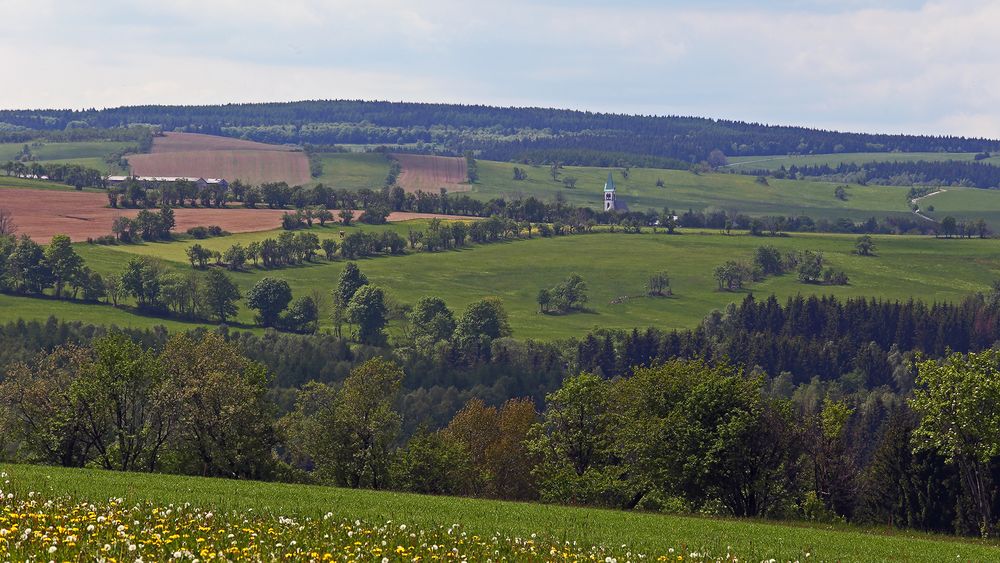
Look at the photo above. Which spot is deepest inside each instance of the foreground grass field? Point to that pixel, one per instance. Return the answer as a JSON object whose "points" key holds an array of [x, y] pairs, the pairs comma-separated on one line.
{"points": [[615, 267], [648, 533]]}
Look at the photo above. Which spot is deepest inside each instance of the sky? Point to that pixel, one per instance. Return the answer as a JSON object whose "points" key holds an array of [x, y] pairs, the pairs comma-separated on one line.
{"points": [[894, 66]]}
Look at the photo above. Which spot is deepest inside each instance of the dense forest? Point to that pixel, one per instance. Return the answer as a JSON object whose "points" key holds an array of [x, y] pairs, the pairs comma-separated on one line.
{"points": [[500, 133], [816, 408]]}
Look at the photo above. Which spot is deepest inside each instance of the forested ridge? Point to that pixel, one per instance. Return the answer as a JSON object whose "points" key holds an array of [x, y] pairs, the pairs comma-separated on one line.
{"points": [[501, 133]]}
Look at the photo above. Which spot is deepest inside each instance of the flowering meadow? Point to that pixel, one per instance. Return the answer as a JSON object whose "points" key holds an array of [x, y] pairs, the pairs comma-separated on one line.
{"points": [[33, 527]]}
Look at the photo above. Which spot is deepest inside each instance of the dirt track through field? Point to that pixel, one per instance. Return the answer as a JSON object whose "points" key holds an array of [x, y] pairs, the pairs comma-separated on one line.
{"points": [[81, 215], [431, 173]]}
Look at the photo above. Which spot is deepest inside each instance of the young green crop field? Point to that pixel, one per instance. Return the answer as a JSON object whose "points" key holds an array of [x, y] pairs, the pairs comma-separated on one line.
{"points": [[652, 534], [614, 266], [353, 171], [777, 161]]}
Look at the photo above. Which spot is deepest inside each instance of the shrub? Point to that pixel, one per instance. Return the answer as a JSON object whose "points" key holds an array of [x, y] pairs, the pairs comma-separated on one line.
{"points": [[198, 232]]}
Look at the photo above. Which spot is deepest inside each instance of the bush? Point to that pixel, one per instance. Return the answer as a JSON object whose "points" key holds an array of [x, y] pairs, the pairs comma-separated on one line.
{"points": [[198, 232], [217, 231]]}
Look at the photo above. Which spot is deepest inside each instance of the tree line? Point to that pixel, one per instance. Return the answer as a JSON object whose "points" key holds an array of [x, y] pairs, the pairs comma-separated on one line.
{"points": [[74, 175]]}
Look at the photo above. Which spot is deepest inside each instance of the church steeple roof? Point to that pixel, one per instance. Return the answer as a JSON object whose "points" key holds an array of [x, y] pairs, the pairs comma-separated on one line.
{"points": [[609, 186]]}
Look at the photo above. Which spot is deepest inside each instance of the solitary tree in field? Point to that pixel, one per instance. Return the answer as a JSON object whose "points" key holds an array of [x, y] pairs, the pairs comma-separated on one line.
{"points": [[865, 246], [717, 158], [471, 168], [659, 284]]}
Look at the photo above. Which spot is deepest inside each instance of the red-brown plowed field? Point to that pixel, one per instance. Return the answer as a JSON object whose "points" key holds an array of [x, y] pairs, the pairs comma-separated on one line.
{"points": [[81, 215], [252, 166], [184, 142], [431, 173]]}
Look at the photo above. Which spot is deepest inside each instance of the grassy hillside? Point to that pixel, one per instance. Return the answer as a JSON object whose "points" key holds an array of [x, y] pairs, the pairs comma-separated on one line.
{"points": [[86, 153], [354, 171], [62, 151], [649, 533], [613, 265], [965, 204], [685, 190], [777, 161], [12, 182]]}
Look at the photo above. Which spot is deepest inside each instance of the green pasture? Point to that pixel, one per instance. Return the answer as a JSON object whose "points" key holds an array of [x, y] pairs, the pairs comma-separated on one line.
{"points": [[615, 266], [644, 532], [775, 162]]}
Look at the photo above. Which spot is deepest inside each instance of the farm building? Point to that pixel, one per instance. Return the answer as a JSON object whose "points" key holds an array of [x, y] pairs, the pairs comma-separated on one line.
{"points": [[199, 182]]}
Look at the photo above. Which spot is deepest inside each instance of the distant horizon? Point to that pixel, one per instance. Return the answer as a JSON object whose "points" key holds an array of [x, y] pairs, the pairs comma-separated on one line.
{"points": [[478, 104]]}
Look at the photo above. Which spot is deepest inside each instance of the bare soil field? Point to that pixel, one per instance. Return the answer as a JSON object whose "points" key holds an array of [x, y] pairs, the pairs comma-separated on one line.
{"points": [[251, 166], [81, 215], [185, 142], [431, 173]]}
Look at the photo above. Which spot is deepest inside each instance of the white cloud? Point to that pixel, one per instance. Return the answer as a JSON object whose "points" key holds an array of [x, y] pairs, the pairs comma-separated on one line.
{"points": [[933, 68]]}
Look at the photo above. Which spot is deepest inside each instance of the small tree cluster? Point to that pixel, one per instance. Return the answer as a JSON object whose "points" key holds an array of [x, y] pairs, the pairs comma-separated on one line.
{"points": [[564, 297]]}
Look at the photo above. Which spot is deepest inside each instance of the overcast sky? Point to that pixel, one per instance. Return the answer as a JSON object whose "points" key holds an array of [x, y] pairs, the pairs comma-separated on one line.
{"points": [[893, 66]]}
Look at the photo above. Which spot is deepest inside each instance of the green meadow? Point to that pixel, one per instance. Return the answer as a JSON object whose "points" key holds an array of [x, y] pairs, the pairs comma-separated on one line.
{"points": [[683, 190], [643, 532], [615, 266]]}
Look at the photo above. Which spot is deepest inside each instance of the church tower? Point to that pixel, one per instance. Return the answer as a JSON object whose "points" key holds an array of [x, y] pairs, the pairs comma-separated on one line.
{"points": [[609, 194]]}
